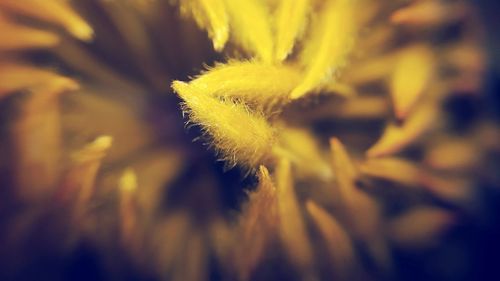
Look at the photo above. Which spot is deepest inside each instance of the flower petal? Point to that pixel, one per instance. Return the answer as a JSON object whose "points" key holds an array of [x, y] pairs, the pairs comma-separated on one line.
{"points": [[397, 137], [292, 226], [36, 140], [429, 13], [210, 15], [330, 43], [54, 11], [360, 212], [290, 24], [258, 84], [392, 169], [257, 224], [303, 151], [18, 76], [412, 74], [250, 27], [16, 37], [242, 137], [420, 227], [78, 186], [339, 244]]}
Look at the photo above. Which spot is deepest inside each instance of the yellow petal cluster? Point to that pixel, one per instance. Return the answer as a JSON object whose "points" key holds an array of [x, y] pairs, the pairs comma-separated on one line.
{"points": [[247, 140], [327, 108]]}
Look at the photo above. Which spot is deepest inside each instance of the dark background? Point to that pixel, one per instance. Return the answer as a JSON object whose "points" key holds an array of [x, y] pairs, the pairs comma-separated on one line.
{"points": [[480, 240], [487, 265]]}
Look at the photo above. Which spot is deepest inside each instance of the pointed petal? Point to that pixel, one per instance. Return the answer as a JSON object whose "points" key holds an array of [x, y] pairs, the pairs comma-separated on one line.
{"points": [[128, 182], [242, 137], [452, 154], [128, 211], [454, 190], [360, 212], [303, 151], [18, 37], [397, 137], [261, 85], [292, 226], [420, 227], [257, 225], [78, 183], [210, 15], [428, 13], [54, 11], [329, 46], [392, 169], [16, 76], [250, 27], [342, 164], [337, 240], [94, 150], [36, 141], [290, 24], [412, 74]]}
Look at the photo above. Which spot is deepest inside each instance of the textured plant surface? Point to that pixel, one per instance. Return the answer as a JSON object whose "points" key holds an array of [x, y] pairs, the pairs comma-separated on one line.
{"points": [[333, 139]]}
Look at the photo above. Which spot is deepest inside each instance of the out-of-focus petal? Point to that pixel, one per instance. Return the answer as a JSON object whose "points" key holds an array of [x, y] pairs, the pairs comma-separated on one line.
{"points": [[95, 111], [453, 190], [78, 184], [36, 141], [340, 89], [258, 222], [222, 237], [370, 70], [358, 107], [303, 151], [292, 226], [413, 72], [359, 212], [18, 76], [212, 16], [340, 247], [19, 37], [191, 263], [420, 227], [169, 242], [453, 155], [392, 169], [128, 212], [423, 13], [54, 11], [397, 137]]}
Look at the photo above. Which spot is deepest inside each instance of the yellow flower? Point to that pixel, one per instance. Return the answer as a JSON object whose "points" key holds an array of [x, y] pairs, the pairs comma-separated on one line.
{"points": [[327, 117]]}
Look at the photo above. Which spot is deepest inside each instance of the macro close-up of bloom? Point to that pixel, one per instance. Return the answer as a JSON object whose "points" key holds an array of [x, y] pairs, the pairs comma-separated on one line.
{"points": [[199, 140]]}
